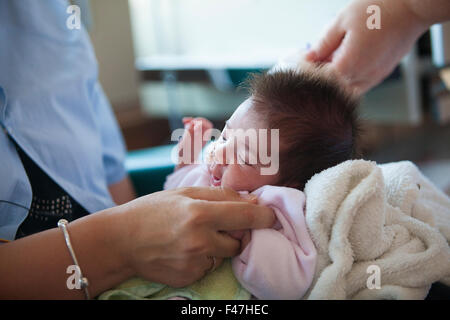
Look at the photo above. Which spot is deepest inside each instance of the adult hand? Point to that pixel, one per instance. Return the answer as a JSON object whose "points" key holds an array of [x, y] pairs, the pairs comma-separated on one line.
{"points": [[364, 57], [169, 235]]}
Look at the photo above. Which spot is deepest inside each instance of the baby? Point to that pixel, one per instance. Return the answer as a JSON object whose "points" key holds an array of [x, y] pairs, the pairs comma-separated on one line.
{"points": [[317, 128]]}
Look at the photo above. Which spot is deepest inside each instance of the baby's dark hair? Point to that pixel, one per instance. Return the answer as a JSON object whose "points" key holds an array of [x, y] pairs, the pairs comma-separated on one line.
{"points": [[317, 120]]}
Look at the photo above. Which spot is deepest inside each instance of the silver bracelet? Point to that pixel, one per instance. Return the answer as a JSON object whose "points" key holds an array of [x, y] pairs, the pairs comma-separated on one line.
{"points": [[84, 283]]}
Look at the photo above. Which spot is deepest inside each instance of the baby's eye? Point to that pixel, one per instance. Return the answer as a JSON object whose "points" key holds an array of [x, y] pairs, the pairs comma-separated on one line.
{"points": [[223, 134], [222, 137]]}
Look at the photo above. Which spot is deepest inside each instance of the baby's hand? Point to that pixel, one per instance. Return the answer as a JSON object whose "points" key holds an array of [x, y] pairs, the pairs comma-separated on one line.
{"points": [[195, 128]]}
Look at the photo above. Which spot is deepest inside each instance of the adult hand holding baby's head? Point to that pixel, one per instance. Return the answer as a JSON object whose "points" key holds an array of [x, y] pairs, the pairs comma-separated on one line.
{"points": [[364, 56]]}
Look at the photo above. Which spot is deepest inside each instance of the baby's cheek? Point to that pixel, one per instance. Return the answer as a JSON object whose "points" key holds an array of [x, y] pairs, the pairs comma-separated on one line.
{"points": [[235, 179], [241, 179]]}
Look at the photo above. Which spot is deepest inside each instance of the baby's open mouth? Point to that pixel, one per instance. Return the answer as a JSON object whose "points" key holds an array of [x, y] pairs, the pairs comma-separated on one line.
{"points": [[215, 181]]}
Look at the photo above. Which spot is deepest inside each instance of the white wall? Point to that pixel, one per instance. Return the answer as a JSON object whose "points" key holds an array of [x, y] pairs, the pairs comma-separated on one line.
{"points": [[227, 27], [112, 40]]}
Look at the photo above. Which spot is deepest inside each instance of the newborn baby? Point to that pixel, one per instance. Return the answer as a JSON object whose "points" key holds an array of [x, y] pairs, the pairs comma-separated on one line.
{"points": [[317, 127]]}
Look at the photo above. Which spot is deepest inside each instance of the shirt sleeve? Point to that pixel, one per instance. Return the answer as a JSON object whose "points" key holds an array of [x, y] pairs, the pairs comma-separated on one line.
{"points": [[113, 145]]}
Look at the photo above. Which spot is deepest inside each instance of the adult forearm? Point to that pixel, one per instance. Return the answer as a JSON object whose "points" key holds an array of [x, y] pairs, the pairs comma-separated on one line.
{"points": [[164, 237], [35, 267], [430, 11]]}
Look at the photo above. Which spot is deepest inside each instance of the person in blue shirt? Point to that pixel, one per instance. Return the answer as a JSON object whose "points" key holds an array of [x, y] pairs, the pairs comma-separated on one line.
{"points": [[62, 156]]}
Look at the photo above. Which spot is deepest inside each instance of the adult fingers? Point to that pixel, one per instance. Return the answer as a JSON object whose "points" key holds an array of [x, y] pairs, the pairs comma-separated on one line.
{"points": [[230, 216], [349, 64], [327, 44], [213, 264], [224, 245], [216, 194], [218, 262]]}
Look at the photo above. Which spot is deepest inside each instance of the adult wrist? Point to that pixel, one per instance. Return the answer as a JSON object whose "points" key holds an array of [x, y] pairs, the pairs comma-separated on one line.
{"points": [[96, 240], [414, 14], [116, 237]]}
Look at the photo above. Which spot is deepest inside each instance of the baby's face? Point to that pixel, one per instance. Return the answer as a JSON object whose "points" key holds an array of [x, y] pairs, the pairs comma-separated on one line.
{"points": [[236, 170]]}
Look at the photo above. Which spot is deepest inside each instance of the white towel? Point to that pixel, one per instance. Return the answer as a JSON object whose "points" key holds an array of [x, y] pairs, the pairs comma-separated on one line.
{"points": [[361, 214]]}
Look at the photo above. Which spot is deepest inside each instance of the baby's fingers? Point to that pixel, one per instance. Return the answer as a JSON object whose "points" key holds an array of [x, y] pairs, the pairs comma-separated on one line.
{"points": [[205, 123], [187, 120]]}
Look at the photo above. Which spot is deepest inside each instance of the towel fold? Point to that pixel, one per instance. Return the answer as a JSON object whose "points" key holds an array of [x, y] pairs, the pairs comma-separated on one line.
{"points": [[390, 216]]}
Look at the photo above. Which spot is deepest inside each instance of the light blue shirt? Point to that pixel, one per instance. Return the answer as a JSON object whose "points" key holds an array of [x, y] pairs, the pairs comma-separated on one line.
{"points": [[53, 106]]}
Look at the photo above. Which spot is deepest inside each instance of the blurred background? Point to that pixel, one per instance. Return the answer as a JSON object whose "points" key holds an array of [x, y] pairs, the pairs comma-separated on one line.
{"points": [[160, 60]]}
